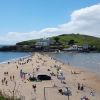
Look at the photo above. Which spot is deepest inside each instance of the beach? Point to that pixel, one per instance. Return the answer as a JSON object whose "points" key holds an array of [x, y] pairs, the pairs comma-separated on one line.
{"points": [[14, 80]]}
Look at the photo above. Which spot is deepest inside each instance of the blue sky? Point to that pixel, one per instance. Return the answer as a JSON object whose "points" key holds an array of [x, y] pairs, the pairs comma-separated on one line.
{"points": [[23, 16]]}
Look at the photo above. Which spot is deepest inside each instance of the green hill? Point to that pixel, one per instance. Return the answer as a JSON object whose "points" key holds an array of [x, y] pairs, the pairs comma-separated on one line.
{"points": [[80, 39], [29, 42], [65, 38]]}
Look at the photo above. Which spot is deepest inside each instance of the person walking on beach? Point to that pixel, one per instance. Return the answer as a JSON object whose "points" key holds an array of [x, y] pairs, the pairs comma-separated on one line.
{"points": [[6, 82], [78, 86], [2, 81], [21, 73], [17, 66], [34, 87], [13, 77], [82, 87]]}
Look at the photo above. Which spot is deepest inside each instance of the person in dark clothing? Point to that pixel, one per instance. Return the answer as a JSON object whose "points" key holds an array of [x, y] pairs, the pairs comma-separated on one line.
{"points": [[78, 86], [6, 82], [82, 87], [13, 77], [34, 87], [2, 81]]}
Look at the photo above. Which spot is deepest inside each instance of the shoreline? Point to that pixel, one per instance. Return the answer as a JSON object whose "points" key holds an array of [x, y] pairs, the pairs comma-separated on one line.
{"points": [[15, 59], [45, 62]]}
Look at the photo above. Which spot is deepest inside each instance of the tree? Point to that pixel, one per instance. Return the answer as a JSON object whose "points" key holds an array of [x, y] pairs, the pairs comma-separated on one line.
{"points": [[71, 42], [56, 39]]}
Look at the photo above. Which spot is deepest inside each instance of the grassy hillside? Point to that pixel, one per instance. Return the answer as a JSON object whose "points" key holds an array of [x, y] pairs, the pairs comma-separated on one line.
{"points": [[29, 42], [80, 39], [65, 38]]}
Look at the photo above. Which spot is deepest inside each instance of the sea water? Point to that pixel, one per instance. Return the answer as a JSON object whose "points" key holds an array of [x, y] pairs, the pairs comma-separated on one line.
{"points": [[88, 61], [6, 56]]}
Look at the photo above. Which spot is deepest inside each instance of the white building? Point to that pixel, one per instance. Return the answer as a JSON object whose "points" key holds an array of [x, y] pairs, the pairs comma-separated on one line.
{"points": [[73, 48], [43, 42]]}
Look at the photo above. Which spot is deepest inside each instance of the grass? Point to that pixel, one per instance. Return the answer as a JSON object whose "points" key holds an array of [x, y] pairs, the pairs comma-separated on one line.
{"points": [[5, 97]]}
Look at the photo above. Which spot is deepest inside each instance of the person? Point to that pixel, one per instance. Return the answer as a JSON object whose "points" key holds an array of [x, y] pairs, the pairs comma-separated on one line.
{"points": [[60, 91], [34, 87], [92, 93], [78, 86], [17, 66], [2, 81], [21, 73], [85, 98], [82, 87], [6, 82], [37, 69], [7, 73], [13, 77]]}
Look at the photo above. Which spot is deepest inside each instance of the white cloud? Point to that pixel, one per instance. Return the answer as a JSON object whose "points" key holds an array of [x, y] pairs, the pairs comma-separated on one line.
{"points": [[85, 21]]}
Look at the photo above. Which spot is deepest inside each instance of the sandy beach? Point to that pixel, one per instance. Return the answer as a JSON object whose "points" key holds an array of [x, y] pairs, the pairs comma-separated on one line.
{"points": [[13, 83]]}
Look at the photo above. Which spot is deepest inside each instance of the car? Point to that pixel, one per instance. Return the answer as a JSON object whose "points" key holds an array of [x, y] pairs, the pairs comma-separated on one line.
{"points": [[43, 77]]}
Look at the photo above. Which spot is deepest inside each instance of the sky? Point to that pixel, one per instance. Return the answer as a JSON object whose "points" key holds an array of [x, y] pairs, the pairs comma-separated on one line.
{"points": [[22, 20]]}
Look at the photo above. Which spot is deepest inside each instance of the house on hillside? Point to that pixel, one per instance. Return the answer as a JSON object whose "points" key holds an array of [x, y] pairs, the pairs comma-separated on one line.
{"points": [[43, 43], [80, 48], [84, 47], [72, 48]]}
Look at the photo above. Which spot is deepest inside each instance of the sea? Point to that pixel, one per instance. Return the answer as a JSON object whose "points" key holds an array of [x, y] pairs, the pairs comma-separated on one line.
{"points": [[86, 61], [8, 56]]}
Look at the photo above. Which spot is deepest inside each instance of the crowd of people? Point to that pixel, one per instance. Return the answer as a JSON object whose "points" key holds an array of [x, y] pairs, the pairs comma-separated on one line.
{"points": [[6, 78]]}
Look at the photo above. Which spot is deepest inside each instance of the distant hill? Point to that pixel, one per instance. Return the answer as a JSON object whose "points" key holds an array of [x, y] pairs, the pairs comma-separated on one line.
{"points": [[65, 38], [80, 39], [29, 42]]}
